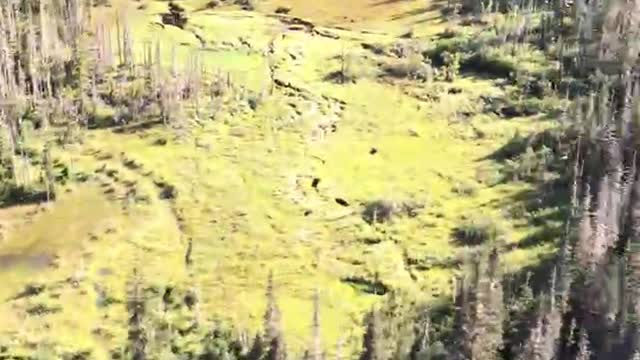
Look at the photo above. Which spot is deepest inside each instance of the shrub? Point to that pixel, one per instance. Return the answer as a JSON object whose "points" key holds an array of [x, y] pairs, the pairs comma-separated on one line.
{"points": [[413, 67], [283, 10], [477, 231], [254, 100], [451, 63], [352, 68], [498, 67], [212, 4], [465, 188], [175, 16], [529, 165], [247, 4], [378, 211]]}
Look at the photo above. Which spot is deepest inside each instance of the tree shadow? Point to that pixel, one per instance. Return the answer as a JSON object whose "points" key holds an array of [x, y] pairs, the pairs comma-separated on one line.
{"points": [[15, 195], [388, 2], [137, 126]]}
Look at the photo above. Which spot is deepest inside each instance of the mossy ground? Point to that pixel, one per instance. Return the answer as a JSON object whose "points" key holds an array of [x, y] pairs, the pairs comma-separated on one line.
{"points": [[243, 185]]}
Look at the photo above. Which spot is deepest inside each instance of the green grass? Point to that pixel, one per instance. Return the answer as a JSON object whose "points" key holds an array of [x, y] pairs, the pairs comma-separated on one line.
{"points": [[242, 200]]}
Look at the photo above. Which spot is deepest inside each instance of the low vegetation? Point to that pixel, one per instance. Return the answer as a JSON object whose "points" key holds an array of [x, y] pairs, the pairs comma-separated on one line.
{"points": [[445, 187]]}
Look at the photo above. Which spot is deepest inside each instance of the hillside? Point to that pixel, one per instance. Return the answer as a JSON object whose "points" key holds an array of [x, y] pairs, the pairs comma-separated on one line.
{"points": [[357, 188]]}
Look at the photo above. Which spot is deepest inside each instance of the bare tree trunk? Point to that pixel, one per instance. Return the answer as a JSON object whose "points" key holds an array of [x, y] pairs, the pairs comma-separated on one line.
{"points": [[120, 59]]}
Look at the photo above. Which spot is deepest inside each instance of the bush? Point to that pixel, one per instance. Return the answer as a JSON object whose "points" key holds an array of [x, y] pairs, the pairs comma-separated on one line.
{"points": [[247, 4], [477, 231], [493, 66], [530, 165], [465, 188], [451, 63], [412, 67], [175, 16], [352, 68], [378, 211]]}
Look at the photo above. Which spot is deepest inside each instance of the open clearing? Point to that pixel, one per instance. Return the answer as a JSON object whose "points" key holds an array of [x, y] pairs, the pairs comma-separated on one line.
{"points": [[240, 187]]}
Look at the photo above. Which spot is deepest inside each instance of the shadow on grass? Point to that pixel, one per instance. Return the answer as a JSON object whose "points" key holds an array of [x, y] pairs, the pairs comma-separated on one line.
{"points": [[12, 195], [374, 287], [138, 126]]}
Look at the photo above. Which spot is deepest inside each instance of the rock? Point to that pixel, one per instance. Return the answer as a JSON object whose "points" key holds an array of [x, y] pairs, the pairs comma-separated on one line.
{"points": [[373, 151], [413, 133]]}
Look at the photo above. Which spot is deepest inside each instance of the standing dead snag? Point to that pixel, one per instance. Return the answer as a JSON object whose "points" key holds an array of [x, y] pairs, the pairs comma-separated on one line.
{"points": [[136, 308], [187, 257], [272, 325], [315, 328]]}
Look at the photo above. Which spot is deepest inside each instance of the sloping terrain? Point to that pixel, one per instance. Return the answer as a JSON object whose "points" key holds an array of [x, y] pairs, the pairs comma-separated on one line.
{"points": [[287, 184]]}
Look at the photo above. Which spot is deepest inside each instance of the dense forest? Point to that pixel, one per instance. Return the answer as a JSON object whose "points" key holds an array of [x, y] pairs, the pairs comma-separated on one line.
{"points": [[64, 74]]}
